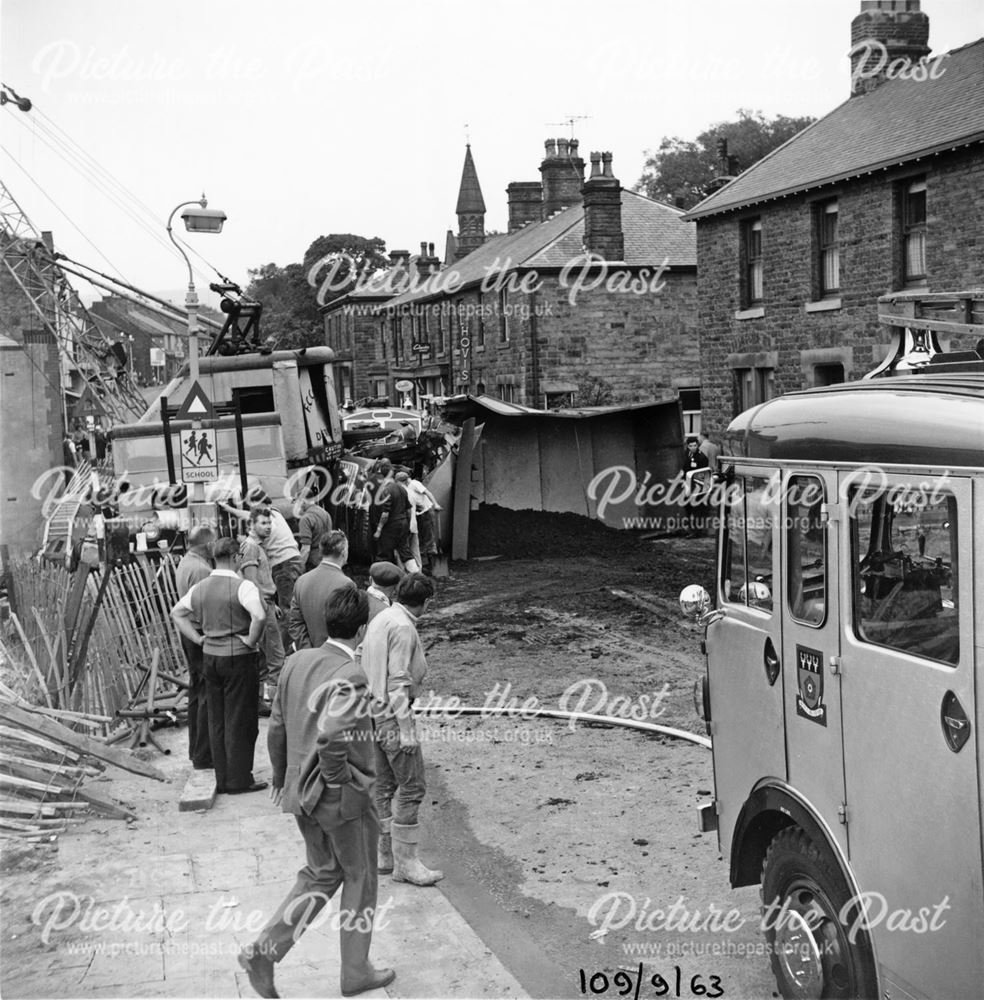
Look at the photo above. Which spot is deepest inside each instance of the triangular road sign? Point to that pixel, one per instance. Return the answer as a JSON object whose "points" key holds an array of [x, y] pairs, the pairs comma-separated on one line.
{"points": [[196, 406], [88, 404]]}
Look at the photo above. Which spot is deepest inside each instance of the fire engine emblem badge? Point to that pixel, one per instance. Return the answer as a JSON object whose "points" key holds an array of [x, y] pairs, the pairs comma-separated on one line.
{"points": [[809, 700]]}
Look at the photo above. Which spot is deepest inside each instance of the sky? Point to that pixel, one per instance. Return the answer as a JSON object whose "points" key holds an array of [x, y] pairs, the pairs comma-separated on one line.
{"points": [[304, 118]]}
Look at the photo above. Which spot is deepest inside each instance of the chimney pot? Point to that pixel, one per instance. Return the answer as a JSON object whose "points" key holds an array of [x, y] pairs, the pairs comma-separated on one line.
{"points": [[423, 249], [551, 148], [606, 159], [430, 249], [595, 165], [562, 147], [574, 143]]}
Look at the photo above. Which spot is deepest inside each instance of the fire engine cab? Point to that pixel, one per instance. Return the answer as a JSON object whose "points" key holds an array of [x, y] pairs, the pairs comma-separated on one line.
{"points": [[842, 658]]}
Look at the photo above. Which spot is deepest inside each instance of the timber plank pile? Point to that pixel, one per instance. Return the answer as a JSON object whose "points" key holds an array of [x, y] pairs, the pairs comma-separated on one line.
{"points": [[88, 659], [43, 765]]}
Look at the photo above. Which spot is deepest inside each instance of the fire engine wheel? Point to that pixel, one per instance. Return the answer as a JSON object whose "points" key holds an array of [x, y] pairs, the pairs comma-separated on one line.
{"points": [[812, 954]]}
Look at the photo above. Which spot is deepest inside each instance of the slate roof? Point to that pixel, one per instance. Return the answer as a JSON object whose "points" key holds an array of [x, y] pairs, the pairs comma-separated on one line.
{"points": [[470, 193], [654, 233], [381, 285], [900, 120], [116, 313]]}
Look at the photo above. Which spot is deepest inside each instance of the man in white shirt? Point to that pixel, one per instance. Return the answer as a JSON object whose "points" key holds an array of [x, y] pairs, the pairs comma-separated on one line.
{"points": [[423, 505], [394, 664], [232, 618], [195, 566]]}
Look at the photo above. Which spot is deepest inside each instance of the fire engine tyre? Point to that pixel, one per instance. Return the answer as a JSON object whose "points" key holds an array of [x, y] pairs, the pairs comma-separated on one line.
{"points": [[811, 951]]}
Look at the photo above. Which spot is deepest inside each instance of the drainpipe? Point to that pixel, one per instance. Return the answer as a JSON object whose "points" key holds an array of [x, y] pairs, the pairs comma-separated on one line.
{"points": [[534, 351]]}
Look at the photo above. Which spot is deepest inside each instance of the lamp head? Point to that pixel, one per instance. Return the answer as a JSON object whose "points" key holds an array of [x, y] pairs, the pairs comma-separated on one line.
{"points": [[203, 220]]}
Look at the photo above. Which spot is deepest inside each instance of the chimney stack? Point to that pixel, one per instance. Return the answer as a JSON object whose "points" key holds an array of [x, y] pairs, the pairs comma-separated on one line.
{"points": [[427, 263], [525, 203], [563, 175], [602, 195], [884, 31]]}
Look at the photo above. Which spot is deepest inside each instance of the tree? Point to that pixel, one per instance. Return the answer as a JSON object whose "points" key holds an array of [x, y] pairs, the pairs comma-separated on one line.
{"points": [[593, 390], [357, 255], [682, 172], [291, 307]]}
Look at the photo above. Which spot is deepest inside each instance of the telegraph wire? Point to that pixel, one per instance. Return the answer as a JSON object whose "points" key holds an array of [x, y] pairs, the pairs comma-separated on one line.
{"points": [[58, 207], [78, 163]]}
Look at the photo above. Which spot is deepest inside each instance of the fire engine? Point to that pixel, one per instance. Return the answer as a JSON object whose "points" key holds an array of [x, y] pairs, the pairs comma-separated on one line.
{"points": [[842, 655]]}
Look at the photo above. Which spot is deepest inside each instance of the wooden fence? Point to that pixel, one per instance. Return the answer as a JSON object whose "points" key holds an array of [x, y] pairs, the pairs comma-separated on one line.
{"points": [[88, 640]]}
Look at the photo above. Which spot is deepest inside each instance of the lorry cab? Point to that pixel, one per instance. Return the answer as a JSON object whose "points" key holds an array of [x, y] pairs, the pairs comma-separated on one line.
{"points": [[841, 686], [287, 415]]}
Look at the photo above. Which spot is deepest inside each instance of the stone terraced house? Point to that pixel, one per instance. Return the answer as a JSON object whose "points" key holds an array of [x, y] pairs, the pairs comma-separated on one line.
{"points": [[884, 194], [527, 316]]}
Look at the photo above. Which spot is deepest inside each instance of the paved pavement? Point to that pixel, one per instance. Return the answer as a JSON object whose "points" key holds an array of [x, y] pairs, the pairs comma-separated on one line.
{"points": [[160, 907]]}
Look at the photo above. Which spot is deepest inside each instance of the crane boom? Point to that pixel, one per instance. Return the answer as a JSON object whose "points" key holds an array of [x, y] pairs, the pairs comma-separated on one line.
{"points": [[85, 348]]}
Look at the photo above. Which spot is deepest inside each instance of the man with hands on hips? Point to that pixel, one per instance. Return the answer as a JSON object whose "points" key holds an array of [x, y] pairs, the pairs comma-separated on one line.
{"points": [[232, 619]]}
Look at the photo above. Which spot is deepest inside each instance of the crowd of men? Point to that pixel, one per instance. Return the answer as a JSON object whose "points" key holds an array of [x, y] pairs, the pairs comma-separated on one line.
{"points": [[273, 625]]}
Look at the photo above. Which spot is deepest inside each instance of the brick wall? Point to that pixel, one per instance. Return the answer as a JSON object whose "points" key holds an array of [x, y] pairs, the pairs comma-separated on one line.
{"points": [[870, 266], [31, 414], [642, 346]]}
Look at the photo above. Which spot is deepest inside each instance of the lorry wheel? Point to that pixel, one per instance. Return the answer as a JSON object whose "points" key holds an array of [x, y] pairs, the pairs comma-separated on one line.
{"points": [[812, 954]]}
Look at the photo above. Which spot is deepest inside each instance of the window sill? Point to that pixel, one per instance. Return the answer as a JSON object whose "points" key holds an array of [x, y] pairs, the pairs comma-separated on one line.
{"points": [[757, 313], [822, 305]]}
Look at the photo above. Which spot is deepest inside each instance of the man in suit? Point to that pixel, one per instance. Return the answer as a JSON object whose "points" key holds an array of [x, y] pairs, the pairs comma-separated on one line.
{"points": [[321, 749], [313, 590]]}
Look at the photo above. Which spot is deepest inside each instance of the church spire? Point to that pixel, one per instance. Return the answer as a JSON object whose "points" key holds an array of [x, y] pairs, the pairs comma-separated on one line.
{"points": [[470, 208]]}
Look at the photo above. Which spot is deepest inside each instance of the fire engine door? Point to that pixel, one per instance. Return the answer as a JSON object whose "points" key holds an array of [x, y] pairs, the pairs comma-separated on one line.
{"points": [[811, 643], [908, 701], [743, 648]]}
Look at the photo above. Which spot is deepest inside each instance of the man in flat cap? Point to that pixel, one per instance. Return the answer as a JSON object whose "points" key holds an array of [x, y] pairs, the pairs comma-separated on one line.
{"points": [[383, 578]]}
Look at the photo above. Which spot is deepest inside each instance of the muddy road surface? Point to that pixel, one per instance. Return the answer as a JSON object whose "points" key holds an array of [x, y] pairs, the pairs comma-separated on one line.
{"points": [[573, 849]]}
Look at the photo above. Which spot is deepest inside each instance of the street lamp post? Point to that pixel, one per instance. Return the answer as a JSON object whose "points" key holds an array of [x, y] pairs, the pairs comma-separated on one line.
{"points": [[197, 220]]}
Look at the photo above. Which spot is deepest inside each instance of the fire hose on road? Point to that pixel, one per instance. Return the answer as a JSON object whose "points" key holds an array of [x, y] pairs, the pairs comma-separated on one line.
{"points": [[604, 720]]}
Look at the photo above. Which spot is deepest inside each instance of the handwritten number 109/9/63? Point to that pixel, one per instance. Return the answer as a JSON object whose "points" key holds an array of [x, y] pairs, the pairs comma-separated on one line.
{"points": [[624, 983]]}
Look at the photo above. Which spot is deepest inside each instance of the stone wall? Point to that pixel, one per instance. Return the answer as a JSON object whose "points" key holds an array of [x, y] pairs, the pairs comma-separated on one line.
{"points": [[31, 414], [795, 340]]}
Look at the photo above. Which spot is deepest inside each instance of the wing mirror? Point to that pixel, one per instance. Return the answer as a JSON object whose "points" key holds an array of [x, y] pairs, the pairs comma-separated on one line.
{"points": [[695, 603]]}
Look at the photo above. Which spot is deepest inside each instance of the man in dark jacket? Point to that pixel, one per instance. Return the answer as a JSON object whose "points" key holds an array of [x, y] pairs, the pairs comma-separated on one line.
{"points": [[391, 534], [313, 591], [321, 749]]}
